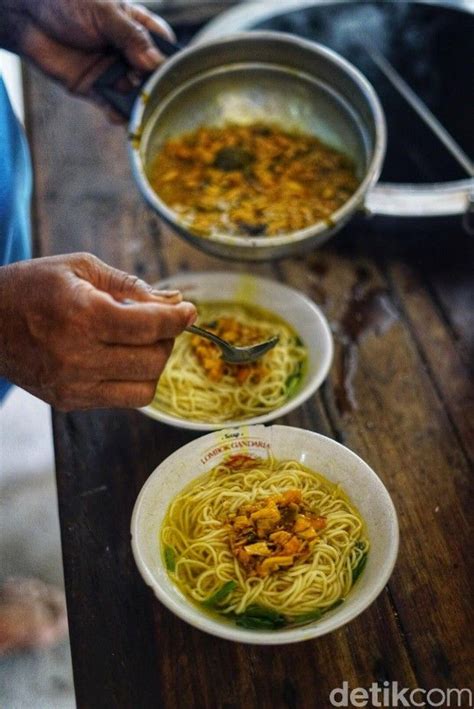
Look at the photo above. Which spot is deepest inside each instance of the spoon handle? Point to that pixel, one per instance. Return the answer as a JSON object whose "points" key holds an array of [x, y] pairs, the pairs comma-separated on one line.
{"points": [[195, 330]]}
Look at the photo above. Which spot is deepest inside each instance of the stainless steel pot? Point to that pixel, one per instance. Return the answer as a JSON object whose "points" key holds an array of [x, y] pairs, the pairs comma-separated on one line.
{"points": [[253, 77], [392, 199]]}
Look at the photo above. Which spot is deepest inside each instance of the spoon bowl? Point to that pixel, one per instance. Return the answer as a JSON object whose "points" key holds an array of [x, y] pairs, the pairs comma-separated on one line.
{"points": [[231, 353]]}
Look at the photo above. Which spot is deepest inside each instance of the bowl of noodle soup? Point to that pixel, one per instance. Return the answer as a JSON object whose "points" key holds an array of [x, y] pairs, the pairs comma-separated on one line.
{"points": [[189, 518], [198, 391]]}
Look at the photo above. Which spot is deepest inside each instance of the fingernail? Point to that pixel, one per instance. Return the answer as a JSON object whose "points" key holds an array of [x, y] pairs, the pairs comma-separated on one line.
{"points": [[152, 58], [190, 313], [165, 293]]}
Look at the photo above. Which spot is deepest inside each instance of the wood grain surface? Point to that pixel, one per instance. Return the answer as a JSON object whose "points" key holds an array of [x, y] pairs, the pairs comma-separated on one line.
{"points": [[399, 297]]}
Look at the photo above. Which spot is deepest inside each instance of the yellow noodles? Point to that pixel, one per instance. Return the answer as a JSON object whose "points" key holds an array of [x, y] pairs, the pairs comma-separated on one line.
{"points": [[195, 534], [187, 390]]}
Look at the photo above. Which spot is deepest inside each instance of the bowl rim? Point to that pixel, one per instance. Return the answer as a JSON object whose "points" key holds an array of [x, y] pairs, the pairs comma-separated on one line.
{"points": [[371, 174], [334, 620], [306, 391]]}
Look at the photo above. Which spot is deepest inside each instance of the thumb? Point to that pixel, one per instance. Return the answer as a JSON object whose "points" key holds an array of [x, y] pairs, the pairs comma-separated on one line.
{"points": [[120, 285]]}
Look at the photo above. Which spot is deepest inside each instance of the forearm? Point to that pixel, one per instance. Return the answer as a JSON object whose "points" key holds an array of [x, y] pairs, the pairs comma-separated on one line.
{"points": [[6, 316]]}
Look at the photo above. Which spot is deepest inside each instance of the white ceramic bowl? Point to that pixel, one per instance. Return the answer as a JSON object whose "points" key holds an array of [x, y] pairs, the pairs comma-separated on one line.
{"points": [[317, 452], [301, 313]]}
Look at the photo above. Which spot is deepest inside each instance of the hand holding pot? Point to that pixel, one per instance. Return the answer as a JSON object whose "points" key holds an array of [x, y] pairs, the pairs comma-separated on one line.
{"points": [[74, 41]]}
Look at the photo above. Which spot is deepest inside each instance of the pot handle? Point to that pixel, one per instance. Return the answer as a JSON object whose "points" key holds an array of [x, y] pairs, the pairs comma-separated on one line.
{"points": [[123, 102]]}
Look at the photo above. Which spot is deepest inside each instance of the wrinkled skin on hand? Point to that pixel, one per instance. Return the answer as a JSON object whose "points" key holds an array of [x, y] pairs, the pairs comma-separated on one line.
{"points": [[75, 40], [80, 334]]}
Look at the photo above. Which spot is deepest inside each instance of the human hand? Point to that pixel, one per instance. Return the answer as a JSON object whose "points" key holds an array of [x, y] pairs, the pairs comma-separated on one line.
{"points": [[68, 337], [75, 40]]}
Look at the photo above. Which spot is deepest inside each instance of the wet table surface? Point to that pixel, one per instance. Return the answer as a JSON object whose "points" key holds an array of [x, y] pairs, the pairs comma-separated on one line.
{"points": [[399, 297]]}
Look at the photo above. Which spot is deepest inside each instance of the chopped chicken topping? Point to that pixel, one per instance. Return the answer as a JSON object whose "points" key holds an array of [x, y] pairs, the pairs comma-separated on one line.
{"points": [[237, 333], [258, 549], [273, 533]]}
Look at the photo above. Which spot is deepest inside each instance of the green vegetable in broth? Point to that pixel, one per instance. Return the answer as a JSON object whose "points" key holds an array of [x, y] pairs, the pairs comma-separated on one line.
{"points": [[220, 595], [170, 558]]}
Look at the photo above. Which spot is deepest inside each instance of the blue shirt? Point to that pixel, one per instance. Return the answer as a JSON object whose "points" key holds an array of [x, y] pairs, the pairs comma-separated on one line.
{"points": [[15, 192]]}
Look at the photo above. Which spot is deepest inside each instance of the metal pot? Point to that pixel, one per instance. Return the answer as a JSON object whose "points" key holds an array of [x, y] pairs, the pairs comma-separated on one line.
{"points": [[252, 77]]}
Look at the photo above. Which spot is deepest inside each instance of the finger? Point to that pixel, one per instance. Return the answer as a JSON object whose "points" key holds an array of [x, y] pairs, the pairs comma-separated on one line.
{"points": [[122, 286], [120, 363], [139, 323], [132, 38], [156, 296], [75, 68], [168, 296], [126, 287], [122, 394], [152, 22]]}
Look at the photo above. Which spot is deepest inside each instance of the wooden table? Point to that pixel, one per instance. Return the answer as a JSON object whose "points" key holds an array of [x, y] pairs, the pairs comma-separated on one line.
{"points": [[399, 297]]}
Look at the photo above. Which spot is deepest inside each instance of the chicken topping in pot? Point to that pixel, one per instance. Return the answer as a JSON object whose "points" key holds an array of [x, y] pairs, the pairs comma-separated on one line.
{"points": [[251, 180]]}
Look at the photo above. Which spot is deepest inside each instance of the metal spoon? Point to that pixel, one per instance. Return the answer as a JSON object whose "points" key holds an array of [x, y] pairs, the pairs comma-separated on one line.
{"points": [[232, 354]]}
